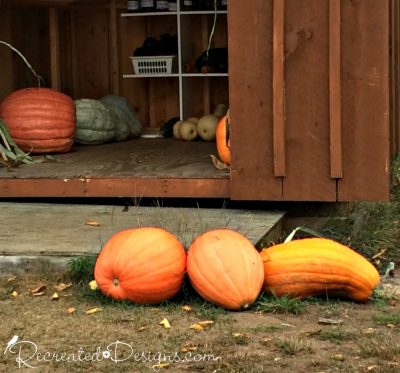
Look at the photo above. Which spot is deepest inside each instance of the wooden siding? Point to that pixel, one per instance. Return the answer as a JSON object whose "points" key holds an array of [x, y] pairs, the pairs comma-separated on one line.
{"points": [[332, 140], [394, 77], [313, 92]]}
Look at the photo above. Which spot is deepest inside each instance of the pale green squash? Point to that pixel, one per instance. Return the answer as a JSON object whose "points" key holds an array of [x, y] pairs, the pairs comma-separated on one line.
{"points": [[128, 123], [95, 124]]}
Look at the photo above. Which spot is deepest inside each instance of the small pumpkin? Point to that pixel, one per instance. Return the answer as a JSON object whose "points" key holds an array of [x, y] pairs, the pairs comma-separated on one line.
{"points": [[223, 139], [143, 265], [128, 123], [225, 268], [40, 120], [318, 266], [95, 124]]}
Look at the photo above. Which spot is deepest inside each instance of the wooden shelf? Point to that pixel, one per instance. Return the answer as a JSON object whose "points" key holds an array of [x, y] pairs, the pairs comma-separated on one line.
{"points": [[150, 14]]}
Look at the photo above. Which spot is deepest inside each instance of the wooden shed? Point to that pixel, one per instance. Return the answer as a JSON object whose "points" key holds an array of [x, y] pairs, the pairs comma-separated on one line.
{"points": [[312, 88]]}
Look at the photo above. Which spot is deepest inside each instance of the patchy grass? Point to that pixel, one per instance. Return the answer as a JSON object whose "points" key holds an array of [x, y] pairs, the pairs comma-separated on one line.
{"points": [[285, 304], [293, 345], [336, 335], [387, 319], [373, 228]]}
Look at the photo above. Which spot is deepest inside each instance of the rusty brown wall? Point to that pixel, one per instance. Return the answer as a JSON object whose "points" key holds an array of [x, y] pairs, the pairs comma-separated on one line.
{"points": [[309, 97]]}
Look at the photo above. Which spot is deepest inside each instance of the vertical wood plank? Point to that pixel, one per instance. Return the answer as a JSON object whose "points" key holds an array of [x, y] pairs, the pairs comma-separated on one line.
{"points": [[365, 100], [278, 87], [54, 49], [92, 52], [335, 108], [113, 27], [395, 77], [307, 102], [74, 57], [250, 99], [7, 81]]}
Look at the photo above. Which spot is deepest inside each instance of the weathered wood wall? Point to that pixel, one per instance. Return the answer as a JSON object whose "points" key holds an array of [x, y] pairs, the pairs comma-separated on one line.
{"points": [[313, 86], [309, 98]]}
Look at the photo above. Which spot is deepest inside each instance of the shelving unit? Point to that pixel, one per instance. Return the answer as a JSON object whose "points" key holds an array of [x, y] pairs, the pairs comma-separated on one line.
{"points": [[197, 93]]}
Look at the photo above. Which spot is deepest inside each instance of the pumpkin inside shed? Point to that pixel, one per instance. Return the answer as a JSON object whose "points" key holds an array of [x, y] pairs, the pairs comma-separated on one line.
{"points": [[82, 49]]}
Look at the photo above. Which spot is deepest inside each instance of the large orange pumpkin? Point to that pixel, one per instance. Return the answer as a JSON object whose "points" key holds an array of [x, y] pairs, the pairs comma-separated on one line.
{"points": [[144, 265], [318, 266], [225, 268], [40, 120], [223, 139]]}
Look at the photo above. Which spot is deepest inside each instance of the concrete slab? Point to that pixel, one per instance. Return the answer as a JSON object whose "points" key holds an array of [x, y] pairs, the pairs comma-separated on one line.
{"points": [[37, 230]]}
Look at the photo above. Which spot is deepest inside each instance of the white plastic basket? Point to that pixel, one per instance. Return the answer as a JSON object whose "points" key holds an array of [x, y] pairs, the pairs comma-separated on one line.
{"points": [[153, 65]]}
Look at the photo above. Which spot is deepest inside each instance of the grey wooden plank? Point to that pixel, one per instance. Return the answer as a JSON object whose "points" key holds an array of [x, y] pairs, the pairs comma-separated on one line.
{"points": [[61, 230], [139, 157]]}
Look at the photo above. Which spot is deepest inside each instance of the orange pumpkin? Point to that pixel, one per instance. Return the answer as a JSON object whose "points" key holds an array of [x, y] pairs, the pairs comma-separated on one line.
{"points": [[225, 268], [144, 265], [223, 139], [40, 120], [318, 266]]}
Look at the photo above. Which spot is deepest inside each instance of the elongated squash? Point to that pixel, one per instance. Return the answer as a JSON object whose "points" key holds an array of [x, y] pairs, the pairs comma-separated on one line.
{"points": [[318, 266]]}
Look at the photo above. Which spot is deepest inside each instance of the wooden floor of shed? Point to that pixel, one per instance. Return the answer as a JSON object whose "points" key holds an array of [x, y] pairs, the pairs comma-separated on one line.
{"points": [[57, 232], [146, 158]]}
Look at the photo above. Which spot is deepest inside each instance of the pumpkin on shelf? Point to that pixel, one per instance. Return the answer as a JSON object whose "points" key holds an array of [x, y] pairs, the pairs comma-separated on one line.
{"points": [[128, 123], [143, 265], [223, 139], [95, 124], [40, 120], [225, 268], [318, 266]]}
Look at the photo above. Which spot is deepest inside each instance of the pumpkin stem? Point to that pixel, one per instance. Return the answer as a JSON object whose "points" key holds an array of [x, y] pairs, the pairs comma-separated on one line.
{"points": [[38, 77], [115, 282]]}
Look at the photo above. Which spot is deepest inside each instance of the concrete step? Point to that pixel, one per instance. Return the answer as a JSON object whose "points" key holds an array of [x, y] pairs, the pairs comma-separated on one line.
{"points": [[59, 232]]}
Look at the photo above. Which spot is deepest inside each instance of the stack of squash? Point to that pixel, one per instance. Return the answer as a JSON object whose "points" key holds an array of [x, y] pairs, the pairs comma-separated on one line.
{"points": [[43, 120], [108, 119], [148, 265]]}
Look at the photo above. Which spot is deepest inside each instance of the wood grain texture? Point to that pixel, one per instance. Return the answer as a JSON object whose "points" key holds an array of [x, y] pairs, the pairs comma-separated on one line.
{"points": [[61, 229], [394, 77], [6, 55], [92, 53], [365, 100], [335, 94], [307, 102], [139, 158], [54, 49], [278, 87], [250, 98]]}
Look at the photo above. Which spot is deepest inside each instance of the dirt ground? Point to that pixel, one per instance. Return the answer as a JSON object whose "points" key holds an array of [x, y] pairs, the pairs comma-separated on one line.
{"points": [[60, 336]]}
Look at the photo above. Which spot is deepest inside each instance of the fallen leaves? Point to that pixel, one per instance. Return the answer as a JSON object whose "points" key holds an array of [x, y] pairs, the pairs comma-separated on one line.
{"points": [[165, 323], [201, 325], [39, 290], [92, 223], [218, 164], [61, 287], [93, 310], [93, 285]]}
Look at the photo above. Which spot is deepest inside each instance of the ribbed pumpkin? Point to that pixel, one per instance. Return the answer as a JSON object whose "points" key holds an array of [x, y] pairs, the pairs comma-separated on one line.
{"points": [[318, 266], [40, 120], [225, 268], [223, 139], [95, 124], [128, 124], [143, 265]]}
